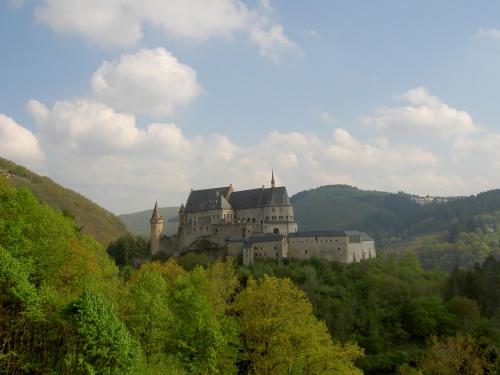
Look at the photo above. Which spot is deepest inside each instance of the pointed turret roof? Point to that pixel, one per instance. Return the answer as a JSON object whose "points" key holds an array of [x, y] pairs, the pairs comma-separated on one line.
{"points": [[156, 212], [272, 177], [183, 208]]}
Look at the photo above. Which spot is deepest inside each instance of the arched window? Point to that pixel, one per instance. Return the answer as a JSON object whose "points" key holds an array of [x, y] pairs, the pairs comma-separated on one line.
{"points": [[276, 231]]}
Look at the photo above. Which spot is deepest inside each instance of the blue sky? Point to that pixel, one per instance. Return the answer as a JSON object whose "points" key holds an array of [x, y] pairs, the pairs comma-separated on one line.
{"points": [[159, 97]]}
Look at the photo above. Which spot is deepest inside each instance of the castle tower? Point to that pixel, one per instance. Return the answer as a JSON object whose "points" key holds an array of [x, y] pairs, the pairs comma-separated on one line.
{"points": [[156, 230]]}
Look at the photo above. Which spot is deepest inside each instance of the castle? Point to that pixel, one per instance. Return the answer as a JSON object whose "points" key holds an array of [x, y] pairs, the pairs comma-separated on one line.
{"points": [[253, 224]]}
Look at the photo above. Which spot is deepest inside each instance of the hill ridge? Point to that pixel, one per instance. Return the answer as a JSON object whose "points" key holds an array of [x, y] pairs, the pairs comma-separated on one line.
{"points": [[89, 216]]}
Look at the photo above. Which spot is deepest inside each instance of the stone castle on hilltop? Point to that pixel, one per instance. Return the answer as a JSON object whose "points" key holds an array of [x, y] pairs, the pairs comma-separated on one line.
{"points": [[253, 224]]}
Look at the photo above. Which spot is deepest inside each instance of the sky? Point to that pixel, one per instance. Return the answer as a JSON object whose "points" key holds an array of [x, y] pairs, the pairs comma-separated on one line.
{"points": [[128, 102]]}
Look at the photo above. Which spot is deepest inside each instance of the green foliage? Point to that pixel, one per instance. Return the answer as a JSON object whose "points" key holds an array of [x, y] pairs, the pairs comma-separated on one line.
{"points": [[18, 296], [481, 284], [91, 218], [435, 252], [146, 312], [459, 355], [191, 260], [389, 306], [198, 336], [103, 344], [128, 250], [282, 336], [426, 316]]}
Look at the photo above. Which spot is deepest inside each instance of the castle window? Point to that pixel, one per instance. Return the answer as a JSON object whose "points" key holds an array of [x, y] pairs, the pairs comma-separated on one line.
{"points": [[281, 217], [253, 220], [267, 218], [274, 217]]}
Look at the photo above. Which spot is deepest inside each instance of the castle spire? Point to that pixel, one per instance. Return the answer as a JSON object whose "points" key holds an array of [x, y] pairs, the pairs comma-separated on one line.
{"points": [[156, 212], [272, 177]]}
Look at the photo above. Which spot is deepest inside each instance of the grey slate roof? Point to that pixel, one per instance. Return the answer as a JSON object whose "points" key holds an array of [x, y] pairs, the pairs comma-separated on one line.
{"points": [[254, 198], [156, 212], [206, 199]]}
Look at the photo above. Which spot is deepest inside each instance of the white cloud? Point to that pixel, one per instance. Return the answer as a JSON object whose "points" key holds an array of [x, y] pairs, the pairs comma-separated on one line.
{"points": [[106, 156], [488, 33], [150, 81], [273, 42], [423, 114], [193, 19], [106, 23], [120, 22], [84, 127], [18, 143]]}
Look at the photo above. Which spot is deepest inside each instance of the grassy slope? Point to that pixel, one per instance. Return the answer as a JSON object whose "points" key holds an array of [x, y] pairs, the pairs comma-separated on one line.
{"points": [[335, 207], [138, 222], [93, 219]]}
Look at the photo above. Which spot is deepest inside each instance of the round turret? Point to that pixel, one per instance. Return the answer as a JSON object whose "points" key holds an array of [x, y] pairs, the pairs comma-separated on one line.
{"points": [[157, 222]]}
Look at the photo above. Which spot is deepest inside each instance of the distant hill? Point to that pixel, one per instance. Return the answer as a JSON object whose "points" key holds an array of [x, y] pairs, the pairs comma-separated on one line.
{"points": [[138, 222], [389, 216], [92, 218], [336, 207]]}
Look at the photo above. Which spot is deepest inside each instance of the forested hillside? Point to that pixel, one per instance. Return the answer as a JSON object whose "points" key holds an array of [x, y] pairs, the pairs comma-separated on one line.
{"points": [[388, 216], [407, 320], [64, 310], [89, 217]]}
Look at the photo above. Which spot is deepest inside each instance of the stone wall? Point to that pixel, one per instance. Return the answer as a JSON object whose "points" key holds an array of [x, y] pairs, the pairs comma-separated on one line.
{"points": [[330, 248]]}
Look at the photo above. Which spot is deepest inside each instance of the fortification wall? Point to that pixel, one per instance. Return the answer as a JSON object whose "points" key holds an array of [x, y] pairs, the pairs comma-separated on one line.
{"points": [[329, 248]]}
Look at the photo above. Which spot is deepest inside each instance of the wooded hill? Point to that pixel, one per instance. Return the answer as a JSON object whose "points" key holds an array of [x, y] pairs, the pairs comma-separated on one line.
{"points": [[388, 215], [91, 218]]}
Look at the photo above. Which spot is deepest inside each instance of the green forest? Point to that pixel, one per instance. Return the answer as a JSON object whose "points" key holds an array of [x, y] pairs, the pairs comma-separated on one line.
{"points": [[90, 218], [69, 305]]}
